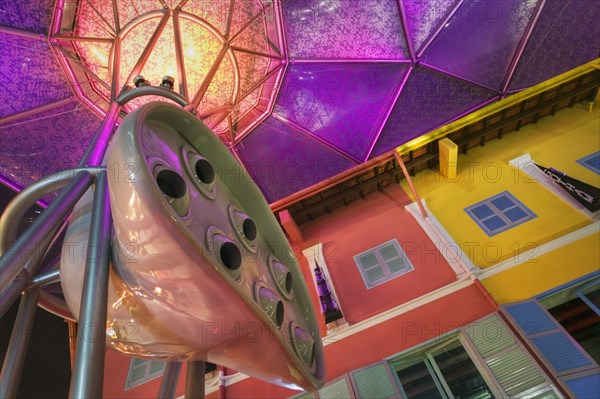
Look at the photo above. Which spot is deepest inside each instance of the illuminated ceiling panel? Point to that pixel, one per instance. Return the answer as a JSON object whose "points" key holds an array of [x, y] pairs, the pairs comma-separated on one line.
{"points": [[220, 54], [323, 83]]}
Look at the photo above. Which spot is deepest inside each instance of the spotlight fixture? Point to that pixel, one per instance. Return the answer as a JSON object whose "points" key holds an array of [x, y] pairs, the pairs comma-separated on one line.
{"points": [[139, 80], [168, 82]]}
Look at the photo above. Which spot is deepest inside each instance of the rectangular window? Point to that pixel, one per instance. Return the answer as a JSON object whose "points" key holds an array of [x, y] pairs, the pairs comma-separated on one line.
{"points": [[481, 360], [499, 213], [592, 162], [141, 371], [382, 263], [444, 371]]}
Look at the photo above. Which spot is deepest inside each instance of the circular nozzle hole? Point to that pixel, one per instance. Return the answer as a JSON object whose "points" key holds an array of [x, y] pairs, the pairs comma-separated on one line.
{"points": [[171, 184], [230, 255], [249, 228], [205, 171], [279, 314]]}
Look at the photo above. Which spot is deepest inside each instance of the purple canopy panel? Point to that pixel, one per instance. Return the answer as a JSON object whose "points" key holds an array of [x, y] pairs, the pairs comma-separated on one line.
{"points": [[283, 161], [29, 74], [344, 104], [365, 29], [428, 100], [50, 141], [423, 18], [566, 35], [32, 15], [480, 39]]}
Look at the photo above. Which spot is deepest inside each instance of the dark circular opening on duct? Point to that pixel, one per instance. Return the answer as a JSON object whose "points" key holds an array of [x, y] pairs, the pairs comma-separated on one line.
{"points": [[231, 257], [205, 171], [288, 282], [171, 184], [249, 228], [279, 314]]}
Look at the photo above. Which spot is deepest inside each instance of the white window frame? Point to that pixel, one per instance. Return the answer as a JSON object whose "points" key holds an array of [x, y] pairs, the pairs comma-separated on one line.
{"points": [[315, 256], [388, 274]]}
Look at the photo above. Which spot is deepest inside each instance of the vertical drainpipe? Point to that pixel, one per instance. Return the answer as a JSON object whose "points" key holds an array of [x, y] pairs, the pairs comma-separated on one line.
{"points": [[222, 389]]}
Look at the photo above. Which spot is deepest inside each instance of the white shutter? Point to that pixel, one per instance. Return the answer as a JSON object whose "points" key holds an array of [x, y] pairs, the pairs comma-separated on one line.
{"points": [[374, 382], [508, 362], [337, 390]]}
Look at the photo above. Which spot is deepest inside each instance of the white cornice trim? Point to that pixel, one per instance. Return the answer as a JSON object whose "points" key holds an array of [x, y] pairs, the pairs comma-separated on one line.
{"points": [[450, 250], [537, 251], [451, 288]]}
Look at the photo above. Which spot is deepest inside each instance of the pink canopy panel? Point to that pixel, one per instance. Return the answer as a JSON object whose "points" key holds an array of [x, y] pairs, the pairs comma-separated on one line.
{"points": [[300, 90]]}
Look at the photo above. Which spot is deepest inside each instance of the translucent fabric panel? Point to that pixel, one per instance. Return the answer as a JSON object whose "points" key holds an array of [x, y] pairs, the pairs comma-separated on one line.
{"points": [[32, 15], [480, 39], [429, 99], [344, 29], [30, 75], [423, 17], [48, 142], [344, 104], [284, 161], [565, 37]]}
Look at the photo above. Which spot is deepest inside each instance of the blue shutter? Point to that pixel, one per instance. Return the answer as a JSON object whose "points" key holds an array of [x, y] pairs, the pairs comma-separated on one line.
{"points": [[585, 387], [507, 360], [561, 352]]}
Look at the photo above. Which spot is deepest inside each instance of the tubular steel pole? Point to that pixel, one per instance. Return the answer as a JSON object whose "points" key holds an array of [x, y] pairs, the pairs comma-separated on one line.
{"points": [[28, 245], [95, 152], [194, 380], [169, 381], [88, 370], [410, 184], [17, 348]]}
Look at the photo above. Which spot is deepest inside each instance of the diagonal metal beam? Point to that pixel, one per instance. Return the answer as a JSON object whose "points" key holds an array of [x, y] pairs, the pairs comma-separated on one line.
{"points": [[314, 137], [183, 86], [388, 113], [229, 18], [209, 77], [522, 44], [116, 16], [137, 69], [22, 32], [71, 57], [18, 345], [440, 27], [102, 17], [407, 35], [84, 39]]}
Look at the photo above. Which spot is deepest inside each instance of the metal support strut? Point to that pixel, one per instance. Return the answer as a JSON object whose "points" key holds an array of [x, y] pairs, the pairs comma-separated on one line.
{"points": [[88, 370]]}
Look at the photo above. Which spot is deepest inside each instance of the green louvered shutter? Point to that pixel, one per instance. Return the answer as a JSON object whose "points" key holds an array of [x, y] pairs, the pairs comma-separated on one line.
{"points": [[371, 268], [374, 382], [141, 371], [513, 369], [336, 390], [393, 259], [304, 395], [382, 263]]}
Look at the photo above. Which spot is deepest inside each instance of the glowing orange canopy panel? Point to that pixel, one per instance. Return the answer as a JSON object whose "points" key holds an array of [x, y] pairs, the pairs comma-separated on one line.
{"points": [[225, 56]]}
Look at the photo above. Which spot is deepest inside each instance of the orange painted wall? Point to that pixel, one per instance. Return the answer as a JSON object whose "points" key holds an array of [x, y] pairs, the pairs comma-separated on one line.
{"points": [[363, 225], [383, 340]]}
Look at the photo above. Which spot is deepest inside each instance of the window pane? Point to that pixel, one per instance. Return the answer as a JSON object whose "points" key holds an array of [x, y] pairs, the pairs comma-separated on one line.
{"points": [[417, 381], [460, 373]]}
